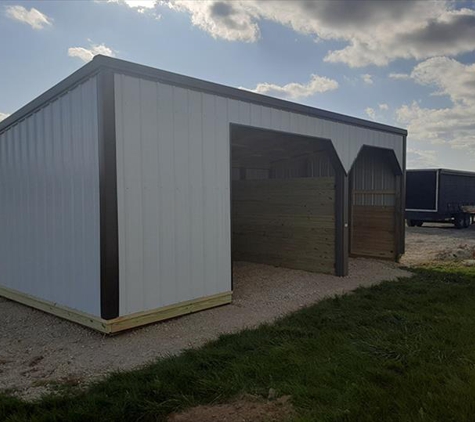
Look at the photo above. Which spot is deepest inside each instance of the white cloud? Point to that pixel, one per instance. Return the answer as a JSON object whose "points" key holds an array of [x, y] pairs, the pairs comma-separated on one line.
{"points": [[399, 76], [134, 4], [141, 6], [371, 113], [232, 21], [417, 158], [32, 17], [453, 78], [3, 116], [294, 90], [453, 125], [399, 29], [367, 78], [87, 54]]}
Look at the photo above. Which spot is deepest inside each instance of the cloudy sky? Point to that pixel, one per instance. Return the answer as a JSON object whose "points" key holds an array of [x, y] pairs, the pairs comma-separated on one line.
{"points": [[408, 64]]}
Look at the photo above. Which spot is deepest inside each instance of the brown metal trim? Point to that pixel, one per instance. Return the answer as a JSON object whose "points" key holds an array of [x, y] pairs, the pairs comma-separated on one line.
{"points": [[342, 195], [351, 209], [402, 205], [341, 223], [151, 73], [230, 134], [399, 218], [84, 73], [108, 196]]}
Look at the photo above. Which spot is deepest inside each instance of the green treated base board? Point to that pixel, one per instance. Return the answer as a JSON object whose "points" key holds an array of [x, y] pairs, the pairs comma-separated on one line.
{"points": [[142, 318], [121, 323]]}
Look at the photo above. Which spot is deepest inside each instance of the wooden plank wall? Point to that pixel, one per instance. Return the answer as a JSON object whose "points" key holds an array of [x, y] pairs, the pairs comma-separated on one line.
{"points": [[374, 231], [285, 222]]}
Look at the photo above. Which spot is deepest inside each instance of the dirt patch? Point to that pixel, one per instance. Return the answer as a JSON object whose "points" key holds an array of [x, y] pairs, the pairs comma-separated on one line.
{"points": [[438, 242], [246, 409], [461, 252], [39, 351]]}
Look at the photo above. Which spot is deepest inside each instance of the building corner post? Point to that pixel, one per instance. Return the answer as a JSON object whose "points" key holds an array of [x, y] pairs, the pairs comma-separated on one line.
{"points": [[109, 246], [402, 199], [341, 223]]}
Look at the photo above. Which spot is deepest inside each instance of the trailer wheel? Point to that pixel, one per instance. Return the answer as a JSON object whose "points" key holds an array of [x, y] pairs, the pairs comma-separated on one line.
{"points": [[419, 223], [459, 221], [467, 221], [411, 223]]}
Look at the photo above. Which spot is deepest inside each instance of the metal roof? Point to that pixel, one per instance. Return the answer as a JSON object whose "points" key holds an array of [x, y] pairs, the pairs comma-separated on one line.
{"points": [[121, 66]]}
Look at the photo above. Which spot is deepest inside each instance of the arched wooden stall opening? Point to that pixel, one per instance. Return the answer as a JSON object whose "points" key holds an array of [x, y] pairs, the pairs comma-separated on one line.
{"points": [[375, 195], [283, 199]]}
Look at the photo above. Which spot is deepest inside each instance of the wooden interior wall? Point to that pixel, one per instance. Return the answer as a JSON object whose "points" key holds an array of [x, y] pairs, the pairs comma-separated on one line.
{"points": [[285, 222], [373, 206], [373, 231]]}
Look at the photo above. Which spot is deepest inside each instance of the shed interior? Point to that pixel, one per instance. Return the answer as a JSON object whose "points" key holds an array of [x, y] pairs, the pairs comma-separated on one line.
{"points": [[375, 195], [282, 200]]}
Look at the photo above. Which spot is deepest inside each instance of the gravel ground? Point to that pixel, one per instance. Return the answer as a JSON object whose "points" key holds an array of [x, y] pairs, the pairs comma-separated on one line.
{"points": [[436, 242], [38, 350]]}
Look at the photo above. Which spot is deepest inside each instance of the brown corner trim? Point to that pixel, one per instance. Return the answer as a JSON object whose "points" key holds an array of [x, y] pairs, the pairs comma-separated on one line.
{"points": [[108, 196], [402, 198], [230, 145], [341, 223], [342, 247]]}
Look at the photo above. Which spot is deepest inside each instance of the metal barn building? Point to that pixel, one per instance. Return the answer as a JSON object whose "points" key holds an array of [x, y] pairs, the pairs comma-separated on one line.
{"points": [[126, 192]]}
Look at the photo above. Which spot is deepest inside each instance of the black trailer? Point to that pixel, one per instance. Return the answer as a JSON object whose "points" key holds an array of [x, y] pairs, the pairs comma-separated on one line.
{"points": [[440, 195]]}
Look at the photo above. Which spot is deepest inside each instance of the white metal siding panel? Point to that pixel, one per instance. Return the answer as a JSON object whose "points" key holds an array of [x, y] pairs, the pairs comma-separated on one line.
{"points": [[347, 139], [49, 202], [173, 194], [173, 143]]}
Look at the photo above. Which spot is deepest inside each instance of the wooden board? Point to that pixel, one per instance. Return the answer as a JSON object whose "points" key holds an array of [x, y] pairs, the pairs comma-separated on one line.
{"points": [[147, 317], [64, 312], [285, 222], [121, 323], [373, 231]]}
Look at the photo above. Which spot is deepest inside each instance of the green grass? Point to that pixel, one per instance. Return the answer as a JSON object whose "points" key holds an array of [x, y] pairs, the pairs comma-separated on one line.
{"points": [[399, 351]]}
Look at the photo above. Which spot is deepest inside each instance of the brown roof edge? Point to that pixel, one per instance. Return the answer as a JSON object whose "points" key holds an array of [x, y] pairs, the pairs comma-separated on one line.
{"points": [[122, 66]]}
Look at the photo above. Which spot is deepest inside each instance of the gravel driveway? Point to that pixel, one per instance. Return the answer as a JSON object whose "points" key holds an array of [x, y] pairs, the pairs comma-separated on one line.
{"points": [[38, 350]]}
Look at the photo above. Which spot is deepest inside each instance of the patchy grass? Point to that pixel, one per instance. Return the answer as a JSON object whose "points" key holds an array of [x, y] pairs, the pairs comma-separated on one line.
{"points": [[399, 351]]}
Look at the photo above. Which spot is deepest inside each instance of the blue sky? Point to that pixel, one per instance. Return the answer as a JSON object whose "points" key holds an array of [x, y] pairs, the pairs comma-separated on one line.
{"points": [[408, 64]]}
